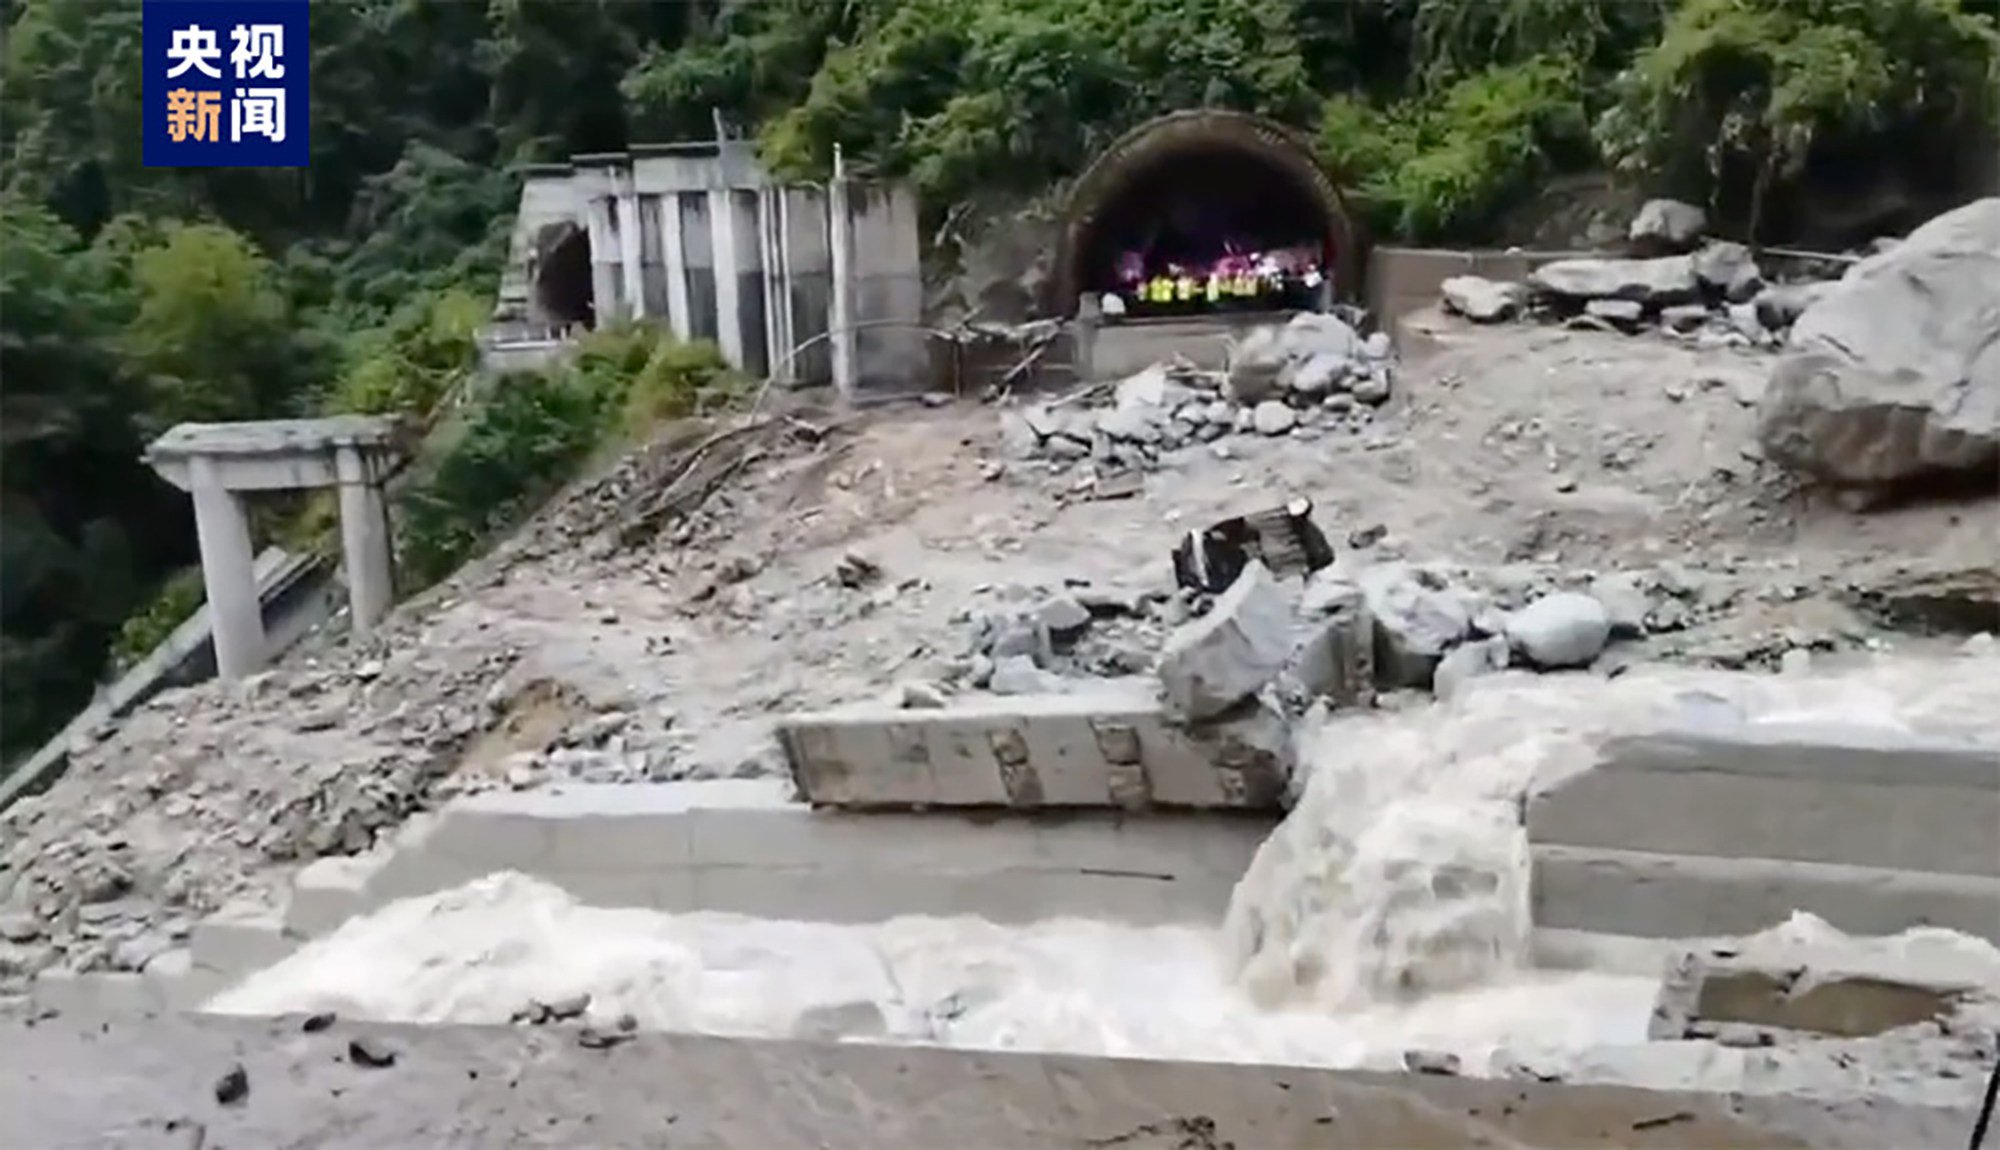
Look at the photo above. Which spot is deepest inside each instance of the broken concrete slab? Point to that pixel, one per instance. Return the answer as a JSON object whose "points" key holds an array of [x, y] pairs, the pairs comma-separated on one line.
{"points": [[1213, 663], [1111, 745]]}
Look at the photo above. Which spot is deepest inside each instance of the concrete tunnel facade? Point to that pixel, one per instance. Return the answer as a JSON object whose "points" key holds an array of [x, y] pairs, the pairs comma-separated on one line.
{"points": [[1233, 162]]}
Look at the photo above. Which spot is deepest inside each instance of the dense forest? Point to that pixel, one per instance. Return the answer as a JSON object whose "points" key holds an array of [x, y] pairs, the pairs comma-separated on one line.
{"points": [[132, 298]]}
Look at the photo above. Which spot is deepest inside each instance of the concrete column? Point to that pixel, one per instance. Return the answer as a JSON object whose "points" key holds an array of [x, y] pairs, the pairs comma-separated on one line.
{"points": [[603, 261], [840, 312], [728, 311], [1083, 337], [364, 539], [778, 331], [632, 252], [673, 254], [228, 571]]}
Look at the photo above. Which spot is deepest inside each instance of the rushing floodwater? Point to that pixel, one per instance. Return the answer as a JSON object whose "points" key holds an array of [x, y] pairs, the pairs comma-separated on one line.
{"points": [[1388, 912]]}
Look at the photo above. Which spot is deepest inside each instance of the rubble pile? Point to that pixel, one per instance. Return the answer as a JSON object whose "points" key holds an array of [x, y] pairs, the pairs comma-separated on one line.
{"points": [[1711, 292], [284, 767], [1316, 374]]}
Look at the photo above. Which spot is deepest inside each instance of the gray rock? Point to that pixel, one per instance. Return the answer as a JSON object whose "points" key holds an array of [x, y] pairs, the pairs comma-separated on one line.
{"points": [[1273, 418], [1780, 306], [1668, 225], [1150, 388], [1729, 270], [1658, 282], [1625, 602], [1064, 616], [1623, 314], [1377, 346], [919, 695], [1683, 317], [1566, 629], [1743, 319], [1483, 300], [1016, 635], [1318, 375], [19, 927], [1469, 661], [1894, 373], [1333, 650], [1417, 617], [1212, 663], [1373, 388], [1133, 424], [1311, 334], [1018, 675], [1255, 364]]}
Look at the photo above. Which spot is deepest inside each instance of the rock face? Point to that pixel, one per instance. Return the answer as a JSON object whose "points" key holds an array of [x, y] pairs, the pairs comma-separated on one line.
{"points": [[1215, 662], [1894, 373]]}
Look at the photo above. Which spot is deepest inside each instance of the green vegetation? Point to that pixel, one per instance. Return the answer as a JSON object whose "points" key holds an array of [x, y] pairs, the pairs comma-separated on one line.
{"points": [[131, 298]]}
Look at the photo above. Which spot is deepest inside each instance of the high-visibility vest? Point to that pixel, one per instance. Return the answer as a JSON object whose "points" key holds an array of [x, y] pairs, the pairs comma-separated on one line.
{"points": [[1184, 288], [1214, 288]]}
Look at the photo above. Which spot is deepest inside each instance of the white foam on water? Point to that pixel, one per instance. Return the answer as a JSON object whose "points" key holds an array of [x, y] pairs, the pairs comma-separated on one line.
{"points": [[477, 953], [1388, 912], [1403, 869]]}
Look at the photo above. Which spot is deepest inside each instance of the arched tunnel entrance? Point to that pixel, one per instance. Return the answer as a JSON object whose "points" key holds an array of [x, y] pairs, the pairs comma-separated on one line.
{"points": [[1206, 211], [562, 280]]}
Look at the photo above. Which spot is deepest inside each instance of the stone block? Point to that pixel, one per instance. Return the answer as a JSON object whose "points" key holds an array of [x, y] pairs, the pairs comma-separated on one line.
{"points": [[1650, 895], [1213, 663]]}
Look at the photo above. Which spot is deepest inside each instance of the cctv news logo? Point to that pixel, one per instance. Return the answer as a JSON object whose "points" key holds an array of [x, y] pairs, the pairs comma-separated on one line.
{"points": [[226, 84]]}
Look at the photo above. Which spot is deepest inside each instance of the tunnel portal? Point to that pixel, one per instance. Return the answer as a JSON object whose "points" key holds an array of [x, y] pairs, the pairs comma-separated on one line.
{"points": [[562, 280], [1201, 212]]}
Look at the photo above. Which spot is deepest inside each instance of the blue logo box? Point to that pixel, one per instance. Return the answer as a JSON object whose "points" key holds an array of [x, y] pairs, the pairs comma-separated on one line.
{"points": [[227, 84]]}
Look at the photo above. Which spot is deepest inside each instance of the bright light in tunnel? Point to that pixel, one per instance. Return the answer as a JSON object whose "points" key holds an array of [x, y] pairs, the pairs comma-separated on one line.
{"points": [[1207, 229]]}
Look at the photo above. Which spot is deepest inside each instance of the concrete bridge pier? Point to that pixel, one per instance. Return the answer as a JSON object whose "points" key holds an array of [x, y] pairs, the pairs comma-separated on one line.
{"points": [[219, 463]]}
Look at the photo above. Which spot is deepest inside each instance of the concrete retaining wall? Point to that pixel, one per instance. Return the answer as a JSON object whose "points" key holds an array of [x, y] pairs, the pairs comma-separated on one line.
{"points": [[745, 848], [516, 1086], [735, 847], [1111, 747], [1698, 833]]}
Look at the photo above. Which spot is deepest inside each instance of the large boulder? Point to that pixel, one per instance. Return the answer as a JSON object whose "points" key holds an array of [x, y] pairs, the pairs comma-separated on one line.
{"points": [[1667, 226], [1212, 663], [1482, 300], [1894, 373], [1657, 282]]}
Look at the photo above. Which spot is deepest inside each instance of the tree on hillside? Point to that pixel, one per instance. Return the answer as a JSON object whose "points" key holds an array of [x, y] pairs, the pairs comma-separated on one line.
{"points": [[1740, 96]]}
